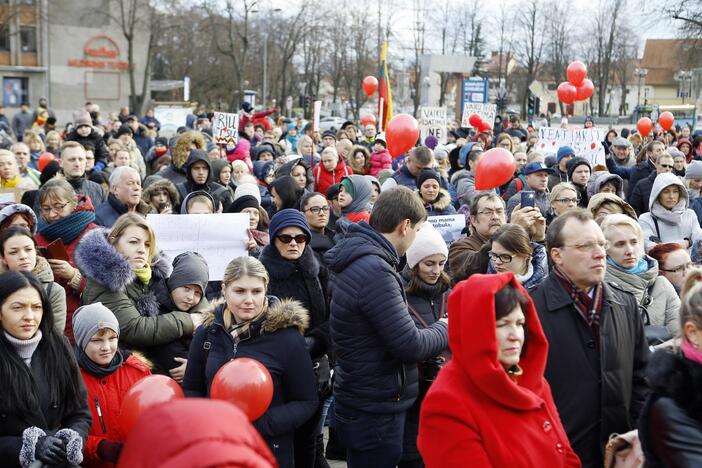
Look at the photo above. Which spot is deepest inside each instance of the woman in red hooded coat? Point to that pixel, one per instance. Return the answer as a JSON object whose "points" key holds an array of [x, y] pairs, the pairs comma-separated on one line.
{"points": [[490, 405]]}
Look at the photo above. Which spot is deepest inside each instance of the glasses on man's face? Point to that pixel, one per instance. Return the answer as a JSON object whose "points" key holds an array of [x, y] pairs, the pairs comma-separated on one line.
{"points": [[667, 166], [567, 200], [57, 208], [491, 213], [588, 246], [287, 238], [503, 258], [678, 269], [318, 209]]}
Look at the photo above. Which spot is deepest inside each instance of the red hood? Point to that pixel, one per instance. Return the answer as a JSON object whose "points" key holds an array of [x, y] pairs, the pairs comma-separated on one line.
{"points": [[194, 433], [471, 309], [84, 203]]}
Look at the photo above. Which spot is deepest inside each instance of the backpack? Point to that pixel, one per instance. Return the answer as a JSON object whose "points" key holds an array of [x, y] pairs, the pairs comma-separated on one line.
{"points": [[518, 184]]}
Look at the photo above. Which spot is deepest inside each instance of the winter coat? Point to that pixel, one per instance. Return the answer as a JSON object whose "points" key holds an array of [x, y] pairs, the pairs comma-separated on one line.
{"points": [[83, 186], [94, 139], [599, 179], [557, 177], [110, 280], [106, 214], [143, 141], [320, 243], [538, 267], [375, 340], [323, 179], [304, 280], [275, 340], [475, 414], [670, 428], [175, 172], [468, 255], [601, 389], [156, 186], [541, 201], [404, 177], [638, 172], [442, 204], [641, 193], [54, 291], [651, 291], [49, 417], [663, 223], [220, 194], [105, 397], [465, 189], [378, 161]]}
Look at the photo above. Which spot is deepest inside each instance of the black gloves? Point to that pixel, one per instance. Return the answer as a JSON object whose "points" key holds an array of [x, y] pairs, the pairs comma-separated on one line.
{"points": [[50, 450], [109, 450]]}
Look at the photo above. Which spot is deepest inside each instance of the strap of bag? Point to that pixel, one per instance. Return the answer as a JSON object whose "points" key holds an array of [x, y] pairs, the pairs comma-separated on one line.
{"points": [[658, 231], [444, 303], [417, 316]]}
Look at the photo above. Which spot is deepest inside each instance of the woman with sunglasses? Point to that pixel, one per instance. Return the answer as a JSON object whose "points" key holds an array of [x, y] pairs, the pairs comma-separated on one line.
{"points": [[511, 250], [295, 273]]}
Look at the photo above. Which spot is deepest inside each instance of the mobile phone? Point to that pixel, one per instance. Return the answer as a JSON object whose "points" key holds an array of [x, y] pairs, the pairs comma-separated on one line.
{"points": [[527, 198]]}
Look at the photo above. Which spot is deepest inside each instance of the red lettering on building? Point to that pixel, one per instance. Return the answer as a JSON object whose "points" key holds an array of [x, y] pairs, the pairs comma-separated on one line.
{"points": [[101, 47]]}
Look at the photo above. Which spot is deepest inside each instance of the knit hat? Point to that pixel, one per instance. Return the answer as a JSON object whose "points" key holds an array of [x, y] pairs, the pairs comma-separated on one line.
{"points": [[288, 217], [380, 138], [189, 268], [441, 153], [163, 141], [564, 151], [574, 163], [90, 319], [674, 152], [244, 201], [431, 142], [694, 170], [622, 142], [333, 191], [81, 118], [427, 174], [247, 189], [124, 130], [684, 141], [428, 242], [329, 133]]}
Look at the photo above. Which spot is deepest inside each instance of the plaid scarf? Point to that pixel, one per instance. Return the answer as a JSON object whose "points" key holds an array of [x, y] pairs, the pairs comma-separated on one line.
{"points": [[589, 307]]}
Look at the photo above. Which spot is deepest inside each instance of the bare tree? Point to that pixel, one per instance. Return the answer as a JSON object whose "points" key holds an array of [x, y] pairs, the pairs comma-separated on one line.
{"points": [[360, 61], [625, 52], [606, 29], [504, 25], [418, 41], [688, 15], [559, 42], [530, 46]]}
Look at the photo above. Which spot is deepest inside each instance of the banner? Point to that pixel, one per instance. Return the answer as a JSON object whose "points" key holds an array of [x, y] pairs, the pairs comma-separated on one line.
{"points": [[219, 237], [432, 121], [586, 142], [225, 128], [449, 226], [486, 112], [171, 118]]}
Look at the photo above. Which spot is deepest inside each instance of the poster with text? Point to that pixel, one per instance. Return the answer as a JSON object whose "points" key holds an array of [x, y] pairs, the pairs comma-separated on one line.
{"points": [[586, 142], [432, 121], [225, 128], [449, 226], [486, 112]]}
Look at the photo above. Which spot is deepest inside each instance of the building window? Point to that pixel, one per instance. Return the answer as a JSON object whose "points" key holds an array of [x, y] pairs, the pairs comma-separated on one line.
{"points": [[28, 39], [15, 91], [4, 37]]}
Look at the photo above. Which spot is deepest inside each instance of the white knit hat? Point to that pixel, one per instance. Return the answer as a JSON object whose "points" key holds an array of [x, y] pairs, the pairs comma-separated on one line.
{"points": [[428, 242], [247, 189]]}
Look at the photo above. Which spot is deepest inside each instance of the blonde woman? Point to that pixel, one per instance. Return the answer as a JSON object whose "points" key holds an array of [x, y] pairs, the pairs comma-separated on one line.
{"points": [[248, 323], [563, 197]]}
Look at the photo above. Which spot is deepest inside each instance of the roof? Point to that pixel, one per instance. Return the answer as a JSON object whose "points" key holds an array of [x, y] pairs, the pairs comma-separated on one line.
{"points": [[664, 57]]}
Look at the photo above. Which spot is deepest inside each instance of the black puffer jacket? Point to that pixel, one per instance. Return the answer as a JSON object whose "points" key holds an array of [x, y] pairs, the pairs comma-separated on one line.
{"points": [[601, 389], [375, 341], [670, 428], [220, 194], [306, 281]]}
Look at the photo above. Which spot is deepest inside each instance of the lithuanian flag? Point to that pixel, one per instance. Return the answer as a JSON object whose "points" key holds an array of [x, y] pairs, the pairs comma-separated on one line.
{"points": [[384, 92]]}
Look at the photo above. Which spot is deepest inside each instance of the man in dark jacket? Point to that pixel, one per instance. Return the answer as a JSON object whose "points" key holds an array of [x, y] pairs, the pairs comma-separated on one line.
{"points": [[376, 341], [198, 172], [84, 133], [73, 164], [124, 197], [597, 349], [642, 192], [22, 121], [642, 169]]}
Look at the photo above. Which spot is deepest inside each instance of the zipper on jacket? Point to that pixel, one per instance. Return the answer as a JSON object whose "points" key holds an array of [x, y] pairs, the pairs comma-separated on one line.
{"points": [[99, 413]]}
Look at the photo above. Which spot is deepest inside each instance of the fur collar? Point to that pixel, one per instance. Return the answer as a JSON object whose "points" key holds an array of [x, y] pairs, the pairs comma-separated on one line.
{"points": [[281, 314], [672, 375], [281, 269], [443, 200], [98, 260]]}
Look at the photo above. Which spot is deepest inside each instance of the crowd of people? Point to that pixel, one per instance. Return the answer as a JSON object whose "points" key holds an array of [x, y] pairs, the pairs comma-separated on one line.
{"points": [[575, 312]]}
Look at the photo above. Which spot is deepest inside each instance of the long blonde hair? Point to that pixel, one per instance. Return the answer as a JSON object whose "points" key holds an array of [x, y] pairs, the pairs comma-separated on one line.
{"points": [[239, 268]]}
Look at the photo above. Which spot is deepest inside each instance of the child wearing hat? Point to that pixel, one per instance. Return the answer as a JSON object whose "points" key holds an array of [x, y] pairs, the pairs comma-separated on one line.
{"points": [[380, 158], [108, 374]]}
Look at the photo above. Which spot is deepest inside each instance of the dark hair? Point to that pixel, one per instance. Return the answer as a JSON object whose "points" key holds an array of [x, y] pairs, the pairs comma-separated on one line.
{"points": [[7, 222], [415, 282], [99, 178], [507, 298], [513, 238], [479, 196], [554, 233], [422, 155], [58, 363], [307, 197], [13, 231], [287, 190], [394, 206]]}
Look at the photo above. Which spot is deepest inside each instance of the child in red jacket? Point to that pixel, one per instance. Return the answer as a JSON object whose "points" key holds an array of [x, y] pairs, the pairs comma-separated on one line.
{"points": [[380, 158], [108, 375], [330, 170]]}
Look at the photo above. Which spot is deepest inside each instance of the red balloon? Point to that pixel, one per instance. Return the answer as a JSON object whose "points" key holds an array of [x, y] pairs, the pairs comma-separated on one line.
{"points": [[484, 127], [401, 134], [585, 90], [644, 125], [495, 167], [566, 92], [246, 383], [147, 392], [666, 120], [475, 120], [45, 159], [368, 119], [577, 72], [370, 85]]}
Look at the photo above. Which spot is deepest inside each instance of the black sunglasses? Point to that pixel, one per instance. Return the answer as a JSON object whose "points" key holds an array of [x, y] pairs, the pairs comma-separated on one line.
{"points": [[287, 238]]}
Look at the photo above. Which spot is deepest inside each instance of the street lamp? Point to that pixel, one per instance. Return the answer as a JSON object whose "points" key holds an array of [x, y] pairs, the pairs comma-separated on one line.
{"points": [[641, 74], [264, 92], [684, 78]]}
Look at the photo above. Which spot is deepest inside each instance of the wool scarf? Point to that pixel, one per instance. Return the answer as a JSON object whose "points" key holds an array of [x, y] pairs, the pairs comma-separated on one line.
{"points": [[143, 273], [640, 267], [690, 352], [67, 229], [589, 307], [10, 183], [91, 368]]}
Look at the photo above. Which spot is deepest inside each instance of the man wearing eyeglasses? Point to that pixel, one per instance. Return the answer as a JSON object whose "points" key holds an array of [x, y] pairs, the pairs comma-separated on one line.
{"points": [[642, 191], [597, 349]]}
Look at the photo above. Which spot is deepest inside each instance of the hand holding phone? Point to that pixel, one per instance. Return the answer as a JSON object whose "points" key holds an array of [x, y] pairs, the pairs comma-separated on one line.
{"points": [[527, 198]]}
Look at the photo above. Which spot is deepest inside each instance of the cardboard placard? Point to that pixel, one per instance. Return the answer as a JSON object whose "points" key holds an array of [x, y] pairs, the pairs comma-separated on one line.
{"points": [[432, 121], [225, 128], [587, 142], [486, 112]]}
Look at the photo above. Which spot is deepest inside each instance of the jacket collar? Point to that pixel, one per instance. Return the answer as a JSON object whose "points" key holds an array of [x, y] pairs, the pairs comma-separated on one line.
{"points": [[557, 297]]}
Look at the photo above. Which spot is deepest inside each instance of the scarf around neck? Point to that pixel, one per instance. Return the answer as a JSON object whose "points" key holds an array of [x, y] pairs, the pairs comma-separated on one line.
{"points": [[690, 352], [67, 229], [10, 183], [143, 273], [589, 307], [93, 369], [640, 267]]}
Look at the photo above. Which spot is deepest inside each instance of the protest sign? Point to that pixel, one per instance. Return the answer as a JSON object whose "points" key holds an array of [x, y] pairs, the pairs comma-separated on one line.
{"points": [[586, 142], [432, 121], [171, 119], [449, 226], [225, 128], [218, 237], [13, 195], [486, 112], [316, 109]]}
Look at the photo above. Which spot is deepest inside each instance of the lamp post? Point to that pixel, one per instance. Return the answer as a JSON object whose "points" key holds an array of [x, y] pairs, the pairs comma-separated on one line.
{"points": [[641, 74], [264, 91], [684, 78]]}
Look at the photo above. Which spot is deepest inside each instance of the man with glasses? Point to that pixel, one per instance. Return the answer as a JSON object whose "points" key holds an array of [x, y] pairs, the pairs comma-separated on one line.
{"points": [[316, 209], [642, 192], [597, 349]]}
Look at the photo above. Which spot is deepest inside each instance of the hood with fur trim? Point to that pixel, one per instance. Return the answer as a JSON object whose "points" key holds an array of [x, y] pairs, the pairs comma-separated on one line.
{"points": [[98, 260], [442, 201], [156, 186], [182, 147], [281, 314]]}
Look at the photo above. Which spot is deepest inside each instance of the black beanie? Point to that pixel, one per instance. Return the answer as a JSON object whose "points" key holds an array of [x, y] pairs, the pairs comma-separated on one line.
{"points": [[574, 163], [427, 174], [189, 268], [246, 201]]}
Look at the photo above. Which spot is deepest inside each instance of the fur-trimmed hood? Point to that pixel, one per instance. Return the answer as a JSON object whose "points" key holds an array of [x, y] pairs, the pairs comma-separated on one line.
{"points": [[157, 185], [281, 314], [98, 260], [443, 200], [181, 148]]}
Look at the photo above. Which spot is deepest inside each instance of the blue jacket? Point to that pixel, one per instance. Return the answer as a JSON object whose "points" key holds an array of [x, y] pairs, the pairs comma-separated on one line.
{"points": [[375, 340], [275, 340]]}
